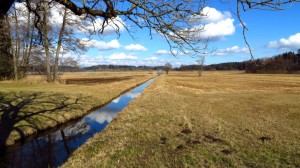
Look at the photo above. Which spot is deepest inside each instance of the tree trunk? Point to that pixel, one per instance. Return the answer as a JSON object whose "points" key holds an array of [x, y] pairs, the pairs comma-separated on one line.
{"points": [[46, 41], [6, 58], [16, 54], [59, 44], [200, 71], [28, 40]]}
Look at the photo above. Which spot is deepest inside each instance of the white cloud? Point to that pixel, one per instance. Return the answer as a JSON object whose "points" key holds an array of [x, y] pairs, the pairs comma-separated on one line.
{"points": [[56, 18], [132, 95], [212, 25], [113, 44], [122, 56], [234, 49], [116, 100], [103, 116], [173, 52], [216, 31], [162, 52], [151, 59], [209, 15], [293, 42], [120, 59], [135, 47]]}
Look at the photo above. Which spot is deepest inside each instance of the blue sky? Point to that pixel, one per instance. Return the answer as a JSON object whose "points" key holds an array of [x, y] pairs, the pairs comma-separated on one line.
{"points": [[270, 33]]}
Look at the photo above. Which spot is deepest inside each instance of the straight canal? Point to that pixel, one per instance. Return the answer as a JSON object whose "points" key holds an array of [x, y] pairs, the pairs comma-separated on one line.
{"points": [[54, 147]]}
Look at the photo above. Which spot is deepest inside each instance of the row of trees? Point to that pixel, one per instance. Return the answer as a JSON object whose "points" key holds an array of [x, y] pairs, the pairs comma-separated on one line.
{"points": [[121, 68], [288, 62], [37, 46], [212, 67]]}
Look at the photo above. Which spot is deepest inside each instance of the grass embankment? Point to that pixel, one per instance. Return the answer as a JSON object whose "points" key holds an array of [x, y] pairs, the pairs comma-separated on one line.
{"points": [[217, 120], [28, 106]]}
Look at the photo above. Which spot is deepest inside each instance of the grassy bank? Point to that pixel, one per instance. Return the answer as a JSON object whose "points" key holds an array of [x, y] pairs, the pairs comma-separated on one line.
{"points": [[31, 105], [217, 120]]}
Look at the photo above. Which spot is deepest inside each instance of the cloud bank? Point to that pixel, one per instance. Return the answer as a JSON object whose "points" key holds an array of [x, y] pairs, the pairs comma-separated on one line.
{"points": [[213, 25], [292, 42]]}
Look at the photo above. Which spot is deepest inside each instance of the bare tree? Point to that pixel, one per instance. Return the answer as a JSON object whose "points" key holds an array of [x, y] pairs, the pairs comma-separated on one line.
{"points": [[200, 61], [167, 67], [69, 62], [17, 45], [45, 31], [59, 45], [57, 34], [65, 37], [28, 44]]}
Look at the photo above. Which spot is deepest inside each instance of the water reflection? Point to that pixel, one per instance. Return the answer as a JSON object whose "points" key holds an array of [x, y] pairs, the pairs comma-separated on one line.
{"points": [[133, 95], [53, 149]]}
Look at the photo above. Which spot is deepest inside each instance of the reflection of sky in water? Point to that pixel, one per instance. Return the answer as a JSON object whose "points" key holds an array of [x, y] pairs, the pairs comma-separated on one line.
{"points": [[132, 95], [116, 100], [53, 149], [105, 115]]}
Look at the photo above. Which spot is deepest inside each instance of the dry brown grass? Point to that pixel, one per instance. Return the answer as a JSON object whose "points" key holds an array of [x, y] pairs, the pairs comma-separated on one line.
{"points": [[27, 107], [218, 120]]}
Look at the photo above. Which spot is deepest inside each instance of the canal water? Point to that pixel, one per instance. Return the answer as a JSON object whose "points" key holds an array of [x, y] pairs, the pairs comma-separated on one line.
{"points": [[53, 149]]}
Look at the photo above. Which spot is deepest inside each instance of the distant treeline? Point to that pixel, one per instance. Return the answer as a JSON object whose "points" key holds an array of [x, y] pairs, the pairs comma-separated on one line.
{"points": [[288, 62], [121, 68], [212, 67]]}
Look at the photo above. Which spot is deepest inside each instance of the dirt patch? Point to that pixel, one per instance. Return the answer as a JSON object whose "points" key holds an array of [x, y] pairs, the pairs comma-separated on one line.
{"points": [[212, 139], [186, 131], [265, 138], [226, 151], [180, 147], [163, 140], [195, 142]]}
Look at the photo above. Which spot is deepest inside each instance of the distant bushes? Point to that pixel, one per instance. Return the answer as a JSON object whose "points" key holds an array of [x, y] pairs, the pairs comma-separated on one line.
{"points": [[288, 62]]}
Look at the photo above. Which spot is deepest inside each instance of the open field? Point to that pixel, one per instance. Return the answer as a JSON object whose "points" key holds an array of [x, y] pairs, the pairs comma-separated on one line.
{"points": [[31, 105], [226, 119]]}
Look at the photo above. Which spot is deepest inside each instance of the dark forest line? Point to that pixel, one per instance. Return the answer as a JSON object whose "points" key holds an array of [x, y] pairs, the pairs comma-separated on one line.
{"points": [[288, 62]]}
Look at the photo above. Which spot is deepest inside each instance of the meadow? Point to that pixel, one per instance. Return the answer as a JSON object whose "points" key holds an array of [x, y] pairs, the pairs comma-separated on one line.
{"points": [[31, 105], [221, 119]]}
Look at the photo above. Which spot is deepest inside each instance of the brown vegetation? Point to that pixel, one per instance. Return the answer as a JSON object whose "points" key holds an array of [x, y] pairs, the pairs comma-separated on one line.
{"points": [[218, 120]]}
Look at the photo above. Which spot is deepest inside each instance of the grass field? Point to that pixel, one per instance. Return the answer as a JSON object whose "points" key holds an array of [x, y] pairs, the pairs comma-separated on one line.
{"points": [[227, 119], [31, 104]]}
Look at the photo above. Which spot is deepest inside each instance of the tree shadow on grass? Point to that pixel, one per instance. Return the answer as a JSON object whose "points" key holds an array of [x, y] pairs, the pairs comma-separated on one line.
{"points": [[20, 111]]}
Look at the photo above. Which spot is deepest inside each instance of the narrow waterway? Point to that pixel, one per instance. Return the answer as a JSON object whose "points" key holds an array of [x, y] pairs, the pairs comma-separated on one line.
{"points": [[54, 148]]}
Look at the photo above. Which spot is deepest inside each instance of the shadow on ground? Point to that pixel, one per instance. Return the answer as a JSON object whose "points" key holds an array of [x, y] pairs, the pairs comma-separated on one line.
{"points": [[20, 111]]}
